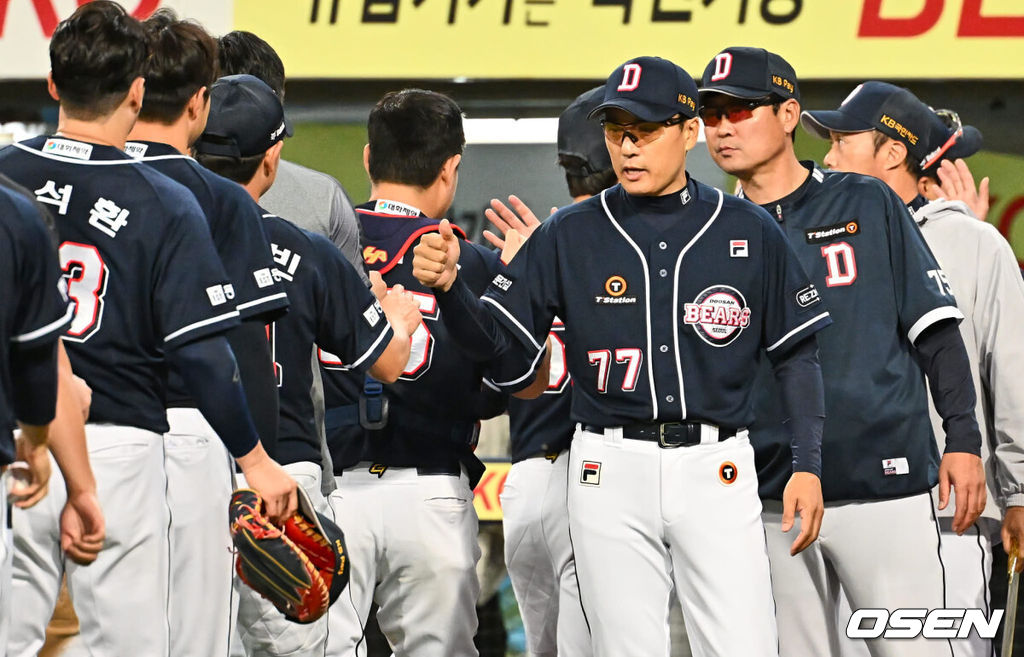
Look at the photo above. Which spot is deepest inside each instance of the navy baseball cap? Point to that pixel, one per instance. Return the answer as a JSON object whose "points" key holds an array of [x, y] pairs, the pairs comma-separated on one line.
{"points": [[246, 118], [892, 110], [744, 72], [651, 89], [948, 139], [583, 139]]}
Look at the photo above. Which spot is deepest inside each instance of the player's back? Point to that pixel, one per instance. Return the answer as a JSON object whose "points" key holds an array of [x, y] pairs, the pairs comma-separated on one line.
{"points": [[236, 227], [862, 250], [330, 307], [140, 267], [440, 392]]}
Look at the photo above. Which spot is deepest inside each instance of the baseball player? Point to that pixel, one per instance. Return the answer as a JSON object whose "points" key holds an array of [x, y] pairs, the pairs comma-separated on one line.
{"points": [[125, 232], [310, 199], [180, 69], [983, 276], [34, 312], [671, 292], [868, 262], [538, 551], [330, 306], [405, 472]]}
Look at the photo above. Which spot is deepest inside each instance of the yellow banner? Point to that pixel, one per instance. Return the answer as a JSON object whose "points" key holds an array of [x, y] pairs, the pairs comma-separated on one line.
{"points": [[505, 39], [485, 496]]}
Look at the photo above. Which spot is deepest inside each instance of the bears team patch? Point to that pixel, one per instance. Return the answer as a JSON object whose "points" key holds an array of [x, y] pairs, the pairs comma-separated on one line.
{"points": [[718, 315]]}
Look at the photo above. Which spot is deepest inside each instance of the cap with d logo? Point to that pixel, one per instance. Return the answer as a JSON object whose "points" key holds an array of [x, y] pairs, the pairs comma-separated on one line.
{"points": [[651, 89], [749, 73]]}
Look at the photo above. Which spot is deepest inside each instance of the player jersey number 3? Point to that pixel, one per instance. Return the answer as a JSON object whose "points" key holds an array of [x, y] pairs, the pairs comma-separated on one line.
{"points": [[86, 276]]}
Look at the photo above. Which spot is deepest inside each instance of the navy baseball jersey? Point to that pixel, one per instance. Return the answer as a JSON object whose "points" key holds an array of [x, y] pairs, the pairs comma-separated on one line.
{"points": [[882, 286], [140, 267], [236, 225], [543, 425], [668, 303], [440, 392], [330, 307], [35, 308]]}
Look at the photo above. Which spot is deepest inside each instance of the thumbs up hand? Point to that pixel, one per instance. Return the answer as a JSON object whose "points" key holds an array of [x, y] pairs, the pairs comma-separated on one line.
{"points": [[435, 258]]}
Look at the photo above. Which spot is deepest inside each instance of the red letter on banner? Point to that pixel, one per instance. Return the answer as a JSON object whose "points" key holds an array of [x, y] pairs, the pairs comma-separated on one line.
{"points": [[873, 25], [973, 24]]}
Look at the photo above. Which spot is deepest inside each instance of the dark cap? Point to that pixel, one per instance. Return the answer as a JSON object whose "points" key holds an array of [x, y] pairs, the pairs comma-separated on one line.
{"points": [[749, 73], [948, 139], [893, 111], [246, 118], [651, 89], [583, 139]]}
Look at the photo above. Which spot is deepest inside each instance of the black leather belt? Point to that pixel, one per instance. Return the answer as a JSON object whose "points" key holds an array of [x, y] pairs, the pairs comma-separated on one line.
{"points": [[666, 434]]}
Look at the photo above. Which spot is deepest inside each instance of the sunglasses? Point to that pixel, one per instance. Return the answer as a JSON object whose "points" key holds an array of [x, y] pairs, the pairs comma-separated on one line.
{"points": [[640, 133], [735, 110], [952, 121]]}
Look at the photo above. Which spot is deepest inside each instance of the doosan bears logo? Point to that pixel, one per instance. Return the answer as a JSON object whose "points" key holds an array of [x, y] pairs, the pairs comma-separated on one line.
{"points": [[718, 315]]}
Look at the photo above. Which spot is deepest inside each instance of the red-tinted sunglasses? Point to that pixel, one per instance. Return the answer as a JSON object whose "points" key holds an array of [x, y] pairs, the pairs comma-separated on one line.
{"points": [[735, 110]]}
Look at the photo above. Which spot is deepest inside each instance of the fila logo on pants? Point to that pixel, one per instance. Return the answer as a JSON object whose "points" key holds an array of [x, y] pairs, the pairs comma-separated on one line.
{"points": [[591, 473]]}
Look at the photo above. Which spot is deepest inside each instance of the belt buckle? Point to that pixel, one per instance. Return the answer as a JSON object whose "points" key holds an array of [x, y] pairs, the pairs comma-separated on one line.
{"points": [[661, 436]]}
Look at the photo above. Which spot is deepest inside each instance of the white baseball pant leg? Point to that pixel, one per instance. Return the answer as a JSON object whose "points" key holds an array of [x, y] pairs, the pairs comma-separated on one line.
{"points": [[264, 630], [658, 516], [883, 553], [6, 565], [968, 563], [538, 553], [121, 598], [413, 543], [199, 470], [37, 565]]}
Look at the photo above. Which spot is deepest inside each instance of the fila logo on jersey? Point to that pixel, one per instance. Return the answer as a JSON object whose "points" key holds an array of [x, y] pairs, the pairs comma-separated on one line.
{"points": [[727, 473], [829, 233], [738, 249], [718, 315], [807, 296], [591, 473], [898, 466]]}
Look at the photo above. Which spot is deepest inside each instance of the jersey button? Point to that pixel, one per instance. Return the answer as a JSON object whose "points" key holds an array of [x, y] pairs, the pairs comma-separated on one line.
{"points": [[664, 348], [662, 245], [663, 273], [670, 398]]}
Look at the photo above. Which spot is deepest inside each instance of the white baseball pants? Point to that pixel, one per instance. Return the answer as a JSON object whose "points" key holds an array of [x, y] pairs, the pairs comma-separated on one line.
{"points": [[538, 553], [120, 599], [642, 518], [881, 554], [199, 470], [413, 544]]}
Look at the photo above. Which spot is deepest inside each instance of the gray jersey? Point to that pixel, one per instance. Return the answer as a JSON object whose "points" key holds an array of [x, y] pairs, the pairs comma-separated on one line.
{"points": [[986, 282], [316, 202]]}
